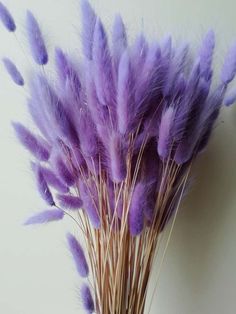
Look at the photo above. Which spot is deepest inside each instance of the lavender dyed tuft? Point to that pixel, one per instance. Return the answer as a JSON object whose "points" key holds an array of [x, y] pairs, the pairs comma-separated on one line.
{"points": [[13, 72], [87, 299], [78, 255], [36, 41], [34, 144], [69, 201], [7, 18], [45, 217]]}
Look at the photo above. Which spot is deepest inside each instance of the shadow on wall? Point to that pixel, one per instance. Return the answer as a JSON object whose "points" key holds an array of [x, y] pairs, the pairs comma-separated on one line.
{"points": [[207, 212]]}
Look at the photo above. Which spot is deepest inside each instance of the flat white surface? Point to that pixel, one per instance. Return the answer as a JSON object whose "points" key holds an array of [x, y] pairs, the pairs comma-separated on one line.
{"points": [[199, 275]]}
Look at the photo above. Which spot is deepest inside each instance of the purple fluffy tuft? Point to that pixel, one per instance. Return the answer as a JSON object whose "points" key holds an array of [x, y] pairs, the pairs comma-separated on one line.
{"points": [[229, 67], [165, 140], [34, 144], [69, 201], [45, 217], [78, 255], [36, 41], [88, 25], [6, 18], [136, 210], [43, 186], [87, 299], [13, 72]]}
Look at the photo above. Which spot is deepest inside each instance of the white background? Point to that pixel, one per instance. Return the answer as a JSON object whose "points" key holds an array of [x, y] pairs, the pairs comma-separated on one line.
{"points": [[199, 274]]}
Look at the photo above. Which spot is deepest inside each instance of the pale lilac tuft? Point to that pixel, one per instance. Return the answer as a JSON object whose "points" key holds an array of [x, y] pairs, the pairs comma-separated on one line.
{"points": [[62, 170], [89, 197], [87, 299], [69, 201], [45, 217], [136, 210], [125, 96], [51, 178], [43, 187], [78, 255], [36, 41], [119, 39], [6, 18], [230, 98], [164, 140], [229, 67], [103, 75], [206, 54], [88, 25], [13, 72], [34, 144], [117, 158]]}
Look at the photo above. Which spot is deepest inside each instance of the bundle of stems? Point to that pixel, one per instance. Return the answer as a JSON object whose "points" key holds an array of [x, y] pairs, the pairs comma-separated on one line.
{"points": [[117, 136]]}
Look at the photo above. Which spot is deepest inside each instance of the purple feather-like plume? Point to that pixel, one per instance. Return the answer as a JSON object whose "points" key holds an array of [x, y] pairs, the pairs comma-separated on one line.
{"points": [[7, 18], [36, 41], [164, 140], [13, 72], [88, 25], [117, 158], [62, 170], [43, 187], [229, 67], [119, 39], [78, 255], [136, 211], [87, 299], [125, 93], [34, 144], [103, 75], [230, 98], [89, 196], [69, 201], [45, 217], [51, 178], [206, 54]]}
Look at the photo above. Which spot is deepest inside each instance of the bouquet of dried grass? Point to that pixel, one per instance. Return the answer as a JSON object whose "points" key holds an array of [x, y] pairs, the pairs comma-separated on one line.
{"points": [[118, 134]]}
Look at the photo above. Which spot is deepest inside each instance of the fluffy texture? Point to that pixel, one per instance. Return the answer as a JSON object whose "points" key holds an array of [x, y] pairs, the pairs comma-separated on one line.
{"points": [[78, 255], [136, 211], [43, 186], [69, 201], [121, 126], [165, 133], [87, 299], [34, 144], [45, 217], [13, 72], [37, 45], [51, 178], [7, 18]]}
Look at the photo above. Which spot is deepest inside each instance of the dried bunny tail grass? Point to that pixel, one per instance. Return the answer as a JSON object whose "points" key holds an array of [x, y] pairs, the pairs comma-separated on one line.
{"points": [[69, 201], [45, 217], [13, 72], [78, 255], [88, 25], [51, 178], [229, 67], [164, 140], [125, 93], [36, 41], [206, 54], [43, 186], [119, 39], [87, 299], [34, 144], [7, 18], [230, 98]]}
